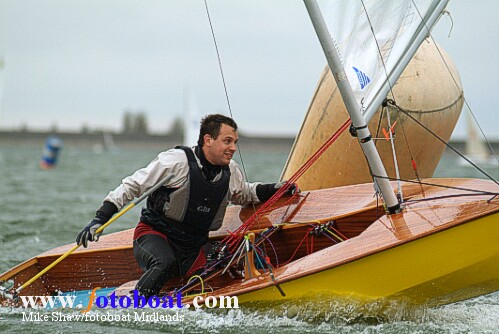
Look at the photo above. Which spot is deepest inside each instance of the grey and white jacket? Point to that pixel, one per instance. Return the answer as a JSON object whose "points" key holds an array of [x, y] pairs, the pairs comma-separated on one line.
{"points": [[174, 162]]}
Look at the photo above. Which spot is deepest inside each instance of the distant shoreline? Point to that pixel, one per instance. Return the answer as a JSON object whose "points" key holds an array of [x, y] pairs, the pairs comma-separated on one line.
{"points": [[93, 139]]}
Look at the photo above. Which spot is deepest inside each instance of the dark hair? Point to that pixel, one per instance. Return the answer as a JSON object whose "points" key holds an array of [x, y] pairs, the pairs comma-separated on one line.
{"points": [[211, 125]]}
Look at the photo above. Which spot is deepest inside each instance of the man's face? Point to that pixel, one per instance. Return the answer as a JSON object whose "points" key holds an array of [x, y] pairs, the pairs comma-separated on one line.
{"points": [[221, 150]]}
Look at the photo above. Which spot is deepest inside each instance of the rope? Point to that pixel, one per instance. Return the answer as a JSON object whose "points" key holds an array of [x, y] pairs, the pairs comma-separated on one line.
{"points": [[202, 285], [265, 236], [298, 247], [343, 237], [442, 141], [233, 238]]}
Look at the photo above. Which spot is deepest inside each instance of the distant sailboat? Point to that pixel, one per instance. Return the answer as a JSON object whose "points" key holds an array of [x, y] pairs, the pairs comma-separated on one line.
{"points": [[475, 148], [108, 145], [192, 116], [2, 65]]}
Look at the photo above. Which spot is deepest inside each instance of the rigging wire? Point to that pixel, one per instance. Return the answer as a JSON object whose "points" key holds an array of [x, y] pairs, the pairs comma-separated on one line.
{"points": [[475, 191], [457, 85], [218, 57], [394, 154], [379, 49], [225, 88], [413, 161], [379, 126], [455, 82], [443, 141], [223, 78], [489, 144], [391, 91]]}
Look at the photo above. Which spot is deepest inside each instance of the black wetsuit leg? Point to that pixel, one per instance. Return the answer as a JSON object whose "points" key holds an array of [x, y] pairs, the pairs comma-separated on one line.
{"points": [[156, 257]]}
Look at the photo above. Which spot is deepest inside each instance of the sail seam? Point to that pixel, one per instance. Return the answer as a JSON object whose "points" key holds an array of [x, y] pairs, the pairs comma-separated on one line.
{"points": [[459, 98]]}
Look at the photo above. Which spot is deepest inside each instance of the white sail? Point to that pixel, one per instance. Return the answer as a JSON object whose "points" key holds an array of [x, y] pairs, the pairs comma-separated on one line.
{"points": [[368, 44], [372, 65]]}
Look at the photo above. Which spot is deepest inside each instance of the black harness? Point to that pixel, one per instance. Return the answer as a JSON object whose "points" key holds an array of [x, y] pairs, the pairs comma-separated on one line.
{"points": [[205, 197], [203, 203]]}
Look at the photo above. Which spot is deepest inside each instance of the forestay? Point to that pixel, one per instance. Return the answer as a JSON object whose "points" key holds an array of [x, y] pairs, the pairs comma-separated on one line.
{"points": [[372, 65]]}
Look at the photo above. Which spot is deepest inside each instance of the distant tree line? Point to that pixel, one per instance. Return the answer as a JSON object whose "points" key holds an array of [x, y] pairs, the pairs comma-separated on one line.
{"points": [[135, 123]]}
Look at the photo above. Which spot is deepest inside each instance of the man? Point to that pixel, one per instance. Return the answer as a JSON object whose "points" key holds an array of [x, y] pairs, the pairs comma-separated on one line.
{"points": [[178, 216]]}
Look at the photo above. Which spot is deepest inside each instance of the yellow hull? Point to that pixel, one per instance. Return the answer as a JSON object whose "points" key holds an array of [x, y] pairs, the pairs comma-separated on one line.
{"points": [[455, 264]]}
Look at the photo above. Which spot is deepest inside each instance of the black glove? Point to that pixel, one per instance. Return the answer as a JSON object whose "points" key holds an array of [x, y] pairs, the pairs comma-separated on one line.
{"points": [[105, 212], [293, 189], [88, 232], [266, 191]]}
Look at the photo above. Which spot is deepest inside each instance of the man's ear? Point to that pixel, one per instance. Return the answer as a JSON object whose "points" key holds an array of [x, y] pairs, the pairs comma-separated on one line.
{"points": [[207, 140]]}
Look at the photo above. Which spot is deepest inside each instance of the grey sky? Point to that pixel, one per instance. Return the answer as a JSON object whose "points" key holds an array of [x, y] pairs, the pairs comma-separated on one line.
{"points": [[76, 62]]}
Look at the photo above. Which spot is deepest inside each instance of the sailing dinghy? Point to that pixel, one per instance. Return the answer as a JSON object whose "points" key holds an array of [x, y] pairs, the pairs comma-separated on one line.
{"points": [[432, 241]]}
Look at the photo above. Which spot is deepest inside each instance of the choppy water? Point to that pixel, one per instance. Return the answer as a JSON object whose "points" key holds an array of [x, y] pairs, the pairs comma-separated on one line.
{"points": [[40, 210]]}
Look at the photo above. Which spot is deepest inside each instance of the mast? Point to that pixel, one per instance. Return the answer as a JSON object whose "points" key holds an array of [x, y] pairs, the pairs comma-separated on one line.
{"points": [[353, 108]]}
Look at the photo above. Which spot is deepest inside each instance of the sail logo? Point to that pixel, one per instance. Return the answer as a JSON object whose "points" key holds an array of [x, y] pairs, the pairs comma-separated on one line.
{"points": [[363, 78]]}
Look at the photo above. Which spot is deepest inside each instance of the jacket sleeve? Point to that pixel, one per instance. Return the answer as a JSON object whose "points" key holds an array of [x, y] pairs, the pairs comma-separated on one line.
{"points": [[240, 191], [169, 162]]}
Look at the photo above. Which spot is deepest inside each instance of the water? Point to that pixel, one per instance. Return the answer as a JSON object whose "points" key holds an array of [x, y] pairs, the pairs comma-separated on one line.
{"points": [[42, 209]]}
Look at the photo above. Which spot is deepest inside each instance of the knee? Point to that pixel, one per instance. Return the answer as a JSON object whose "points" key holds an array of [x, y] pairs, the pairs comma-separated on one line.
{"points": [[163, 264]]}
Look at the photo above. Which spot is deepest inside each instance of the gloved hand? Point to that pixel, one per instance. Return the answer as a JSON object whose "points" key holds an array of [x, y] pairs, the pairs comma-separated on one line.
{"points": [[103, 214], [265, 191], [293, 189], [88, 232]]}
